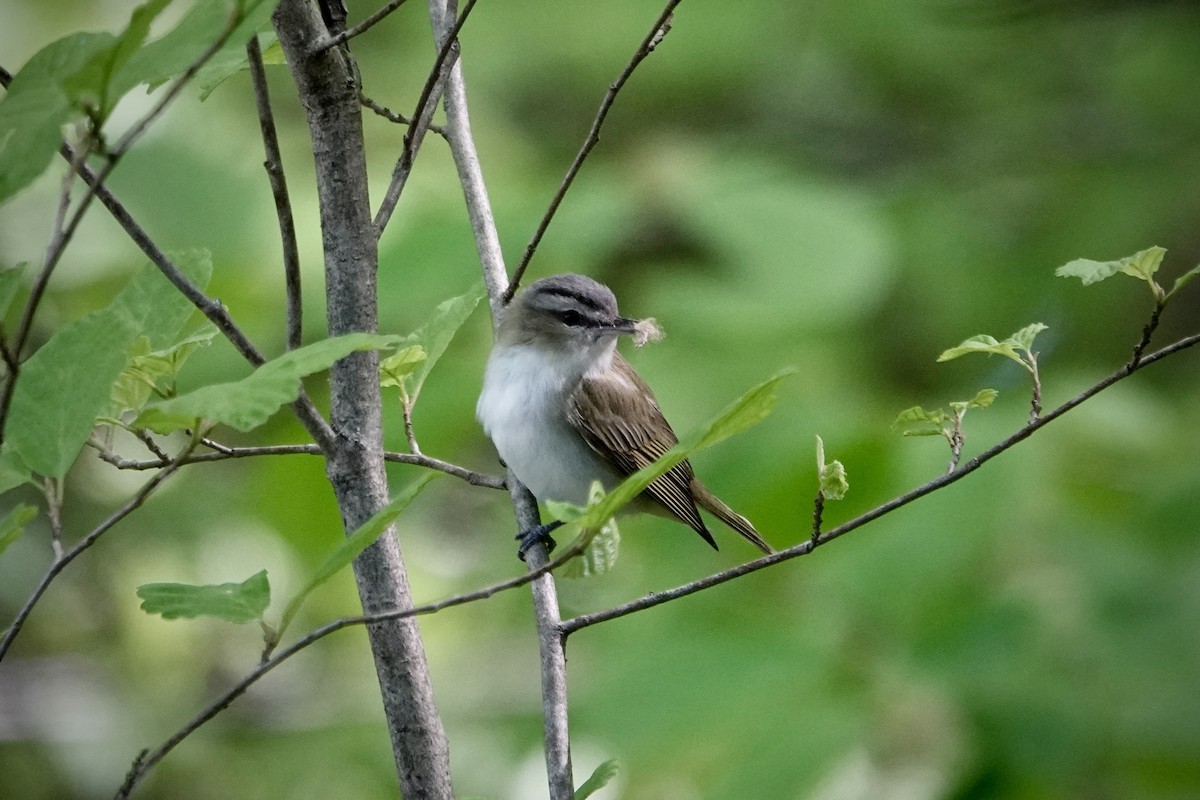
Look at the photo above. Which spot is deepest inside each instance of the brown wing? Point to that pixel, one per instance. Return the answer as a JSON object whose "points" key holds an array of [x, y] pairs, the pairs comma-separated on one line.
{"points": [[619, 418]]}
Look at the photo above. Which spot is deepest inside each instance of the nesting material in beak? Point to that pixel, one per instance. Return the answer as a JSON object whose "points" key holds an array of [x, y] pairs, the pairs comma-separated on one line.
{"points": [[647, 330]]}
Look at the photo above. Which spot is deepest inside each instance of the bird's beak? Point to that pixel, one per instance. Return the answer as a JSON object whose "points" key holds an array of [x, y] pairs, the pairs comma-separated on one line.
{"points": [[622, 325]]}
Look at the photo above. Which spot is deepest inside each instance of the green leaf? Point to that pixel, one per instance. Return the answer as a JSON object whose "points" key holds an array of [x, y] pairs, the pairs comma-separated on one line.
{"points": [[94, 84], [250, 402], [10, 281], [601, 549], [598, 780], [234, 602], [355, 543], [981, 344], [1141, 265], [155, 372], [435, 335], [394, 369], [831, 477], [919, 416], [229, 64], [983, 398], [67, 384], [13, 471], [38, 104], [1180, 282], [1023, 339], [13, 524], [749, 409]]}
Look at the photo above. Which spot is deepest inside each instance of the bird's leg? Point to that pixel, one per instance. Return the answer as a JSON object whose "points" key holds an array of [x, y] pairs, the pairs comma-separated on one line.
{"points": [[538, 533]]}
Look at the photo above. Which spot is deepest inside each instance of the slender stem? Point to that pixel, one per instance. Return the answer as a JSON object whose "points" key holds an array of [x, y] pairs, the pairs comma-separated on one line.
{"points": [[392, 116], [1147, 333], [279, 190], [87, 541], [804, 548], [434, 86], [656, 34], [351, 32]]}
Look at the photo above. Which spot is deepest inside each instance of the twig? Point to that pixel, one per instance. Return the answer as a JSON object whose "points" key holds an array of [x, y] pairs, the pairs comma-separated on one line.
{"points": [[224, 453], [87, 541], [409, 433], [1147, 333], [818, 513], [350, 33], [393, 116], [146, 759], [434, 86], [279, 190], [52, 490], [804, 548], [656, 34]]}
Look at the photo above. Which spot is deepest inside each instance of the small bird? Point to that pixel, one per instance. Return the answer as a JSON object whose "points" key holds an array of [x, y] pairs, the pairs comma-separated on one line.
{"points": [[564, 408]]}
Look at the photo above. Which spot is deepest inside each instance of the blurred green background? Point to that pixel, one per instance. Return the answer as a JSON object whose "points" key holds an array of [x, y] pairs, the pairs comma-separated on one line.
{"points": [[846, 188]]}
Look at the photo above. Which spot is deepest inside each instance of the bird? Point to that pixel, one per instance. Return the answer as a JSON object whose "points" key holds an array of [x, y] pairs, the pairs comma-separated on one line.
{"points": [[564, 408]]}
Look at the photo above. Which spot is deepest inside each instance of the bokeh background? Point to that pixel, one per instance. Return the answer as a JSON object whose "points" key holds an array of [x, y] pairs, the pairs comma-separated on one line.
{"points": [[847, 188]]}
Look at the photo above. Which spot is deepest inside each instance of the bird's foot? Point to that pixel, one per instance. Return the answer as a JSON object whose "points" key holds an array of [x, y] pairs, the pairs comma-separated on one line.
{"points": [[538, 534]]}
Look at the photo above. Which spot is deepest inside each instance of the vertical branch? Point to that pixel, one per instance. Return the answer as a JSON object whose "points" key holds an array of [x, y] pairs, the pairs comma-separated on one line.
{"points": [[283, 207], [487, 241], [328, 89]]}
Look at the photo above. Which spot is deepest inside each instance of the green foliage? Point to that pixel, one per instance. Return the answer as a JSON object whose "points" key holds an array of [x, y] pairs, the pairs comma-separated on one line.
{"points": [[1012, 347], [917, 421], [411, 365], [1141, 265], [12, 524], [233, 602], [10, 282], [355, 543], [599, 778], [602, 545], [154, 372], [831, 476], [80, 363], [249, 402]]}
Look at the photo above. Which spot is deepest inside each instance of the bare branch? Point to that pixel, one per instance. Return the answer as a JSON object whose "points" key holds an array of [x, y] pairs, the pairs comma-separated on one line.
{"points": [[279, 190], [351, 32], [804, 548], [434, 86], [391, 116], [225, 453], [656, 34]]}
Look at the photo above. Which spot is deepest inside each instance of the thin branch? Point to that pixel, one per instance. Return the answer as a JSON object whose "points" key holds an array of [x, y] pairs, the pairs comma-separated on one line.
{"points": [[361, 27], [804, 548], [225, 453], [146, 759], [392, 116], [83, 544], [1147, 333], [434, 86], [279, 190], [656, 34]]}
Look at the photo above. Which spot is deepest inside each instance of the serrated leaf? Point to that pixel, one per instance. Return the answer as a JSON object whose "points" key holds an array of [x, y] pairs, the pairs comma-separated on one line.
{"points": [[249, 402], [234, 602], [394, 369], [67, 383], [1023, 339], [1180, 282], [36, 106], [981, 344], [350, 548], [598, 779], [983, 398], [10, 282], [12, 524], [601, 549], [435, 335], [749, 409], [831, 477], [1140, 265]]}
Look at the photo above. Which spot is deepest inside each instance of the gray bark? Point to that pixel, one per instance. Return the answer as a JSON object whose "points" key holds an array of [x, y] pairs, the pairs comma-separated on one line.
{"points": [[328, 90]]}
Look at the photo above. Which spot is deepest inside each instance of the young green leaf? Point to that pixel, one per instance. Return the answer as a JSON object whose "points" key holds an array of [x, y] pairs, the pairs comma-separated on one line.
{"points": [[980, 344], [1183, 280], [155, 372], [234, 602], [13, 472], [1140, 265], [80, 363], [350, 547], [1023, 339], [13, 524], [249, 402], [598, 780], [917, 421], [601, 549], [982, 399], [228, 64], [831, 476], [434, 336], [395, 368]]}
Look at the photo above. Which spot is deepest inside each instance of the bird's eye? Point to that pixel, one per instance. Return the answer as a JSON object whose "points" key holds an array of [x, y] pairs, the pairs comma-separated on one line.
{"points": [[571, 318]]}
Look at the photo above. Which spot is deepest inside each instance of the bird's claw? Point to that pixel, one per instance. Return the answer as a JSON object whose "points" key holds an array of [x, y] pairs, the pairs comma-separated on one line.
{"points": [[538, 534]]}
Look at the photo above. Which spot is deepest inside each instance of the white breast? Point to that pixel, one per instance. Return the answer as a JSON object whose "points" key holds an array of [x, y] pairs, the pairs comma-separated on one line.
{"points": [[521, 409]]}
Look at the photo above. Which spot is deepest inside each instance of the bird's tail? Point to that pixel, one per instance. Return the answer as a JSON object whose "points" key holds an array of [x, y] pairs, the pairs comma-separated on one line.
{"points": [[710, 503]]}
